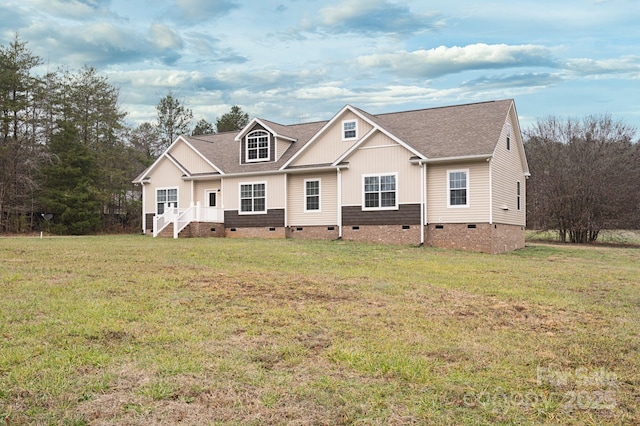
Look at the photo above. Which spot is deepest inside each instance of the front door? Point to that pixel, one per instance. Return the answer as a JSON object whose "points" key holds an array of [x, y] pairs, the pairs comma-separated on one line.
{"points": [[213, 203]]}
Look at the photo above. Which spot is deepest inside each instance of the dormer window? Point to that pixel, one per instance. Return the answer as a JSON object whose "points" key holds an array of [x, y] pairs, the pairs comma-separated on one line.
{"points": [[257, 148], [508, 137], [349, 130]]}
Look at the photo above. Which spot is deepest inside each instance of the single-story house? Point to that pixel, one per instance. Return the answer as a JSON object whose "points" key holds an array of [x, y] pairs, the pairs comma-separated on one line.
{"points": [[451, 177]]}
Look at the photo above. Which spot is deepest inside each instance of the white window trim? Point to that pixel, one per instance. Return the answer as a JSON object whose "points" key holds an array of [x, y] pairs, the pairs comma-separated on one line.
{"points": [[356, 130], [240, 212], [394, 174], [508, 139], [166, 188], [246, 147], [206, 197], [319, 209], [518, 195], [468, 180]]}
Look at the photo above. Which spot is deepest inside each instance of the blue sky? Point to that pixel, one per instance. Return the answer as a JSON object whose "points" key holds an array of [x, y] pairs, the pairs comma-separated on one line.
{"points": [[302, 60]]}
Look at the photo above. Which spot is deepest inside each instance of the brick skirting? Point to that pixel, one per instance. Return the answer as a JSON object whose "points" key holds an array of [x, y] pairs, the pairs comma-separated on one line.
{"points": [[255, 232], [313, 232], [481, 237], [391, 234]]}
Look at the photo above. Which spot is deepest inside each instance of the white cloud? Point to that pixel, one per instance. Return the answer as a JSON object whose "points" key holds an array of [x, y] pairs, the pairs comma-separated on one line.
{"points": [[447, 60], [194, 11], [628, 66], [369, 17], [164, 37], [74, 9]]}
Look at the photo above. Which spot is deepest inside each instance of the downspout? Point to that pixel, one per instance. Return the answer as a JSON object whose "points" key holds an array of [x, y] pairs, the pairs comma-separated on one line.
{"points": [[339, 177], [490, 192], [423, 200], [286, 201], [192, 194], [144, 209]]}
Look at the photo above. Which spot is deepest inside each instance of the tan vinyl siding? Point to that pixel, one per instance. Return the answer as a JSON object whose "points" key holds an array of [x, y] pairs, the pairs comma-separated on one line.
{"points": [[507, 169], [200, 189], [281, 146], [328, 200], [330, 146], [478, 193], [381, 155], [167, 175], [189, 159], [275, 190]]}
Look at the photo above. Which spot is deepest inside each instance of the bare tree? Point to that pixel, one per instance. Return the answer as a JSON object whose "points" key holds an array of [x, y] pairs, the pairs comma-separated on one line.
{"points": [[585, 176], [20, 150]]}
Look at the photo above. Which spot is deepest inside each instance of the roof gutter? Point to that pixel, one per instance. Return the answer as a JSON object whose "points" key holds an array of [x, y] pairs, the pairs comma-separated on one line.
{"points": [[478, 157], [266, 172]]}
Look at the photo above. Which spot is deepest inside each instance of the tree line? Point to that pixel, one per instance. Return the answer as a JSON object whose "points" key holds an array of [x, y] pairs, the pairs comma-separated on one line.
{"points": [[585, 177], [67, 155]]}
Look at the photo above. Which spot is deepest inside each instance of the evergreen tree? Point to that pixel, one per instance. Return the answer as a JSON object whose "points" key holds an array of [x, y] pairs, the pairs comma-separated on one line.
{"points": [[20, 152], [68, 189], [203, 127], [173, 120], [233, 120]]}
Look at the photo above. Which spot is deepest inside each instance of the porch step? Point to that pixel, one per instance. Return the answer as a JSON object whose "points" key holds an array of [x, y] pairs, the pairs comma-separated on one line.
{"points": [[167, 232], [185, 233]]}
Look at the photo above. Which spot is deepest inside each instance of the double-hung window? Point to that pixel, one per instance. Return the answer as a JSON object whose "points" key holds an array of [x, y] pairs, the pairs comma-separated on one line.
{"points": [[458, 188], [379, 192], [518, 195], [166, 198], [349, 130], [257, 148], [508, 128], [253, 198], [312, 195]]}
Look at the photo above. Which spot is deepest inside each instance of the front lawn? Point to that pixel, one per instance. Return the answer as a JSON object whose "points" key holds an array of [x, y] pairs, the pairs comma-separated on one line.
{"points": [[135, 330]]}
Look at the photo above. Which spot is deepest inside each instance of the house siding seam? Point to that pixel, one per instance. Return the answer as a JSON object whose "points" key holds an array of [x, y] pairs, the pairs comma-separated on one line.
{"points": [[508, 169], [273, 218], [407, 214]]}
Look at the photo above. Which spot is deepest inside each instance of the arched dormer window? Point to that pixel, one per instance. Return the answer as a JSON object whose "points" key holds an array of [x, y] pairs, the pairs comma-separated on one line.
{"points": [[257, 148]]}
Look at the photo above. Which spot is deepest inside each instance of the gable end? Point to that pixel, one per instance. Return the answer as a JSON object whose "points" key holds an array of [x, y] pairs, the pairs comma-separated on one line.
{"points": [[258, 145]]}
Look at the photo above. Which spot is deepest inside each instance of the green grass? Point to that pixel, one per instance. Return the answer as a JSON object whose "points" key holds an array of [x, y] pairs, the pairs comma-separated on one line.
{"points": [[610, 237], [135, 330]]}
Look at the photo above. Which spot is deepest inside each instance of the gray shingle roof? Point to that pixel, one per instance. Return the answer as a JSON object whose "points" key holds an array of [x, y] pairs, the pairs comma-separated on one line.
{"points": [[444, 132], [454, 131], [223, 151]]}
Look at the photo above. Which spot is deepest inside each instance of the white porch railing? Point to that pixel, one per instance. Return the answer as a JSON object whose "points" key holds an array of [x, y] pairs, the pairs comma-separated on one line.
{"points": [[161, 222], [182, 218]]}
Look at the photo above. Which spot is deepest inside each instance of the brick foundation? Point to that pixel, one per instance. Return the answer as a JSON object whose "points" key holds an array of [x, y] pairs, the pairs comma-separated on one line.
{"points": [[206, 229], [313, 232], [255, 232], [507, 238], [390, 234], [485, 237]]}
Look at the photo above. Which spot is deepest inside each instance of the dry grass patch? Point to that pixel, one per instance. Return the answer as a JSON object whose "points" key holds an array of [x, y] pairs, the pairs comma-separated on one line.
{"points": [[134, 330]]}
